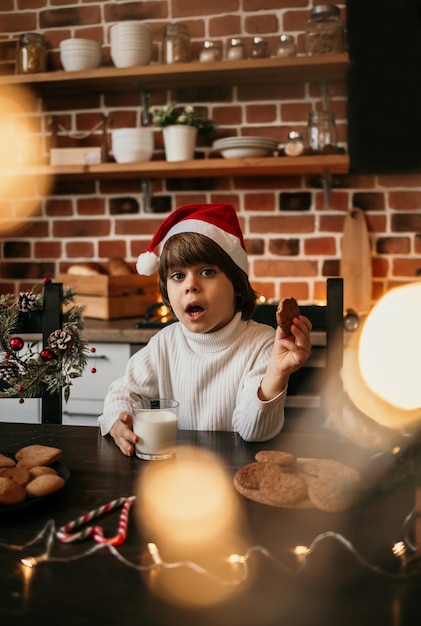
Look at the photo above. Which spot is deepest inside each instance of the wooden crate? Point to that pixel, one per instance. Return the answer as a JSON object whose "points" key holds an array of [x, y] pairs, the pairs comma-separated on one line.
{"points": [[112, 297]]}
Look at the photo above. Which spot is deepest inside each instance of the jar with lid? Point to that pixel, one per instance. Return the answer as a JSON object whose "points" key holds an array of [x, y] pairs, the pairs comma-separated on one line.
{"points": [[286, 46], [31, 54], [210, 52], [325, 30], [295, 146], [176, 44], [259, 49], [322, 135], [236, 50]]}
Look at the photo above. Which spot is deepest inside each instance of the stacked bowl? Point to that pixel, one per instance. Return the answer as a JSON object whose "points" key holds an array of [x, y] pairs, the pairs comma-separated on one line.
{"points": [[130, 44], [80, 54], [239, 147], [130, 145]]}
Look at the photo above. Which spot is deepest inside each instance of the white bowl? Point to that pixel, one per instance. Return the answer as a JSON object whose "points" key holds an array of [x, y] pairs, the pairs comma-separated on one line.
{"points": [[130, 57], [76, 62], [130, 27], [132, 144]]}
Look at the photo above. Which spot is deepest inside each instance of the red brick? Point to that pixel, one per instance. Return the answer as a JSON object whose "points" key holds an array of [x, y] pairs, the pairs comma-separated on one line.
{"points": [[283, 224], [285, 268], [320, 246], [261, 114], [79, 249], [112, 249], [224, 26], [91, 206], [81, 228], [297, 290], [192, 8], [260, 202], [48, 250]]}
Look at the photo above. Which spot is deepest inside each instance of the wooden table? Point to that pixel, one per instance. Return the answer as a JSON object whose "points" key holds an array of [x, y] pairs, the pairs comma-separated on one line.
{"points": [[333, 588]]}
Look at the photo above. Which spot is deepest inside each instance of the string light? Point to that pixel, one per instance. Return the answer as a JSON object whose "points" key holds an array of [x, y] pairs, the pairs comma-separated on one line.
{"points": [[399, 549]]}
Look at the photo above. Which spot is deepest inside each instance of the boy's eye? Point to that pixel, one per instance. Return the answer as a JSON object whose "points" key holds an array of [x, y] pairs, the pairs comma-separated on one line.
{"points": [[177, 276], [208, 271]]}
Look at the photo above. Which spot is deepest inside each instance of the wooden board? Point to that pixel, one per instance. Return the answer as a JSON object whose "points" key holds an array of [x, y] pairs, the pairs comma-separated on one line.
{"points": [[356, 263]]}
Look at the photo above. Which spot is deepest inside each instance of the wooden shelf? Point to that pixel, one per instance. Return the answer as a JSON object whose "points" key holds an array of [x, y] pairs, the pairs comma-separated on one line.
{"points": [[329, 67], [200, 168]]}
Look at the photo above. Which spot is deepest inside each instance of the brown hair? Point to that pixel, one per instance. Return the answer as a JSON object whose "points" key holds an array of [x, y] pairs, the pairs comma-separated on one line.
{"points": [[185, 249]]}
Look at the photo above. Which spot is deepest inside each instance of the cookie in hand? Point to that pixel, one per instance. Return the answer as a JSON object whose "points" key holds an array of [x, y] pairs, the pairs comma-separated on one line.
{"points": [[285, 313]]}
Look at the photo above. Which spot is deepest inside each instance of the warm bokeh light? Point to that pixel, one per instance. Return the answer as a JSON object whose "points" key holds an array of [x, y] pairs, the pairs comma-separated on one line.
{"points": [[382, 361], [187, 506], [390, 347], [21, 191]]}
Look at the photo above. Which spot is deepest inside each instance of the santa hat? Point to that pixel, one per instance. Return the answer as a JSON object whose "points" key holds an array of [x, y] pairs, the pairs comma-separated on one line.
{"points": [[219, 222]]}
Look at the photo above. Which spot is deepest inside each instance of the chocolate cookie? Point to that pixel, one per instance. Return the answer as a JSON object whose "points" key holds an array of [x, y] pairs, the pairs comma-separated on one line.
{"points": [[285, 313]]}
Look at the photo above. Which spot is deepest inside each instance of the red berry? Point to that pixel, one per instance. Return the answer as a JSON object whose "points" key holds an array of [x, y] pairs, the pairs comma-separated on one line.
{"points": [[46, 280], [21, 400], [46, 355], [93, 370], [21, 388], [93, 350], [16, 344]]}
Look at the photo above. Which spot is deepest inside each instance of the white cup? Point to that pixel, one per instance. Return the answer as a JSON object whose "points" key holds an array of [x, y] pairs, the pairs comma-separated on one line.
{"points": [[155, 423]]}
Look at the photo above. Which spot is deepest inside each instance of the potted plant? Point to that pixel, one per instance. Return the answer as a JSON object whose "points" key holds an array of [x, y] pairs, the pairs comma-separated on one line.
{"points": [[180, 127]]}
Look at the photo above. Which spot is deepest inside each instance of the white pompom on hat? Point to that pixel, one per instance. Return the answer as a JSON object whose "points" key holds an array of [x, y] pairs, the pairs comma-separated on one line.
{"points": [[219, 222]]}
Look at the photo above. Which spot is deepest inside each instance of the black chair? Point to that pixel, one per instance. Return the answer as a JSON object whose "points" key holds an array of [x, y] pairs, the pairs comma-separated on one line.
{"points": [[43, 323], [316, 388]]}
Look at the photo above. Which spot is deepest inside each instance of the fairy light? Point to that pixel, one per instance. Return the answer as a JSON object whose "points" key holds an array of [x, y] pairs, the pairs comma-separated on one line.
{"points": [[301, 552], [154, 552], [399, 550]]}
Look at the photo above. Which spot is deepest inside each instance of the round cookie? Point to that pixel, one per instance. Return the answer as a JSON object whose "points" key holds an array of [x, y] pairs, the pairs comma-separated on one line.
{"points": [[44, 485], [6, 461], [285, 313], [283, 488], [250, 475], [40, 470], [328, 468], [19, 474], [10, 491], [286, 460], [332, 494], [36, 454]]}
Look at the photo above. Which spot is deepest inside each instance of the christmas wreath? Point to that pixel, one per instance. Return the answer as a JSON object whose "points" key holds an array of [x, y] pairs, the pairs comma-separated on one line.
{"points": [[30, 373]]}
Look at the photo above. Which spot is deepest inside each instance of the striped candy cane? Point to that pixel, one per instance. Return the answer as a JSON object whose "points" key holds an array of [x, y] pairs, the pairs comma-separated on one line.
{"points": [[65, 536]]}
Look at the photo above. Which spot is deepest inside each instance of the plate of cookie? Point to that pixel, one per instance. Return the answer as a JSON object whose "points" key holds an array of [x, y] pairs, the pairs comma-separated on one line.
{"points": [[279, 478], [33, 473]]}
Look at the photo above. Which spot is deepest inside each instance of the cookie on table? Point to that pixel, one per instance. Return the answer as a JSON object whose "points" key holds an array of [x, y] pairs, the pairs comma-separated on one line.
{"points": [[44, 485], [283, 488], [285, 313], [10, 491], [6, 461], [286, 460], [36, 454], [40, 470], [19, 474], [333, 494], [250, 476], [328, 468]]}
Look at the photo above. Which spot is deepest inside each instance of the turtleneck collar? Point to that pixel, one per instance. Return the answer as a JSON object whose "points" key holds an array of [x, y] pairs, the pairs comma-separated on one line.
{"points": [[218, 340]]}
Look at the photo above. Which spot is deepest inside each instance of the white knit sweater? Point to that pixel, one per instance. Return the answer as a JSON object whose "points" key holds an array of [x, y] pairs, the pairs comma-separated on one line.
{"points": [[214, 376]]}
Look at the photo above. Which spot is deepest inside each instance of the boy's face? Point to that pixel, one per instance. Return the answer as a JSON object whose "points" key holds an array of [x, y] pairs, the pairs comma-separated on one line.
{"points": [[202, 297]]}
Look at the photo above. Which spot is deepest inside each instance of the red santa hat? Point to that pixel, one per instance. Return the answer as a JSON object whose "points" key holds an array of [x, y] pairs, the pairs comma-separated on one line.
{"points": [[219, 222]]}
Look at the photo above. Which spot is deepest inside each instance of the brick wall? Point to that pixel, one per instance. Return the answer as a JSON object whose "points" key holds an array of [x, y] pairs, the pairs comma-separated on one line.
{"points": [[292, 237]]}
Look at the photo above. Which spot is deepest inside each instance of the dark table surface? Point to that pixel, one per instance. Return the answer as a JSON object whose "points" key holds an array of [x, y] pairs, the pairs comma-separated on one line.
{"points": [[350, 576]]}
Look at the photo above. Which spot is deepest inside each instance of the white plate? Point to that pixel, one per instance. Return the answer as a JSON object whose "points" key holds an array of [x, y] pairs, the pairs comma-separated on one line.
{"points": [[238, 153]]}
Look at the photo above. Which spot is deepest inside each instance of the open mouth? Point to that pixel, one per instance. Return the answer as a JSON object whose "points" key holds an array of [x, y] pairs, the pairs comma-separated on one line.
{"points": [[194, 310]]}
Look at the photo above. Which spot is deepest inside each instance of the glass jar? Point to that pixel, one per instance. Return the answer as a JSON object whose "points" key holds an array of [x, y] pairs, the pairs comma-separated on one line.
{"points": [[31, 54], [295, 145], [325, 30], [322, 135], [259, 49], [176, 44], [236, 50], [286, 46], [210, 52]]}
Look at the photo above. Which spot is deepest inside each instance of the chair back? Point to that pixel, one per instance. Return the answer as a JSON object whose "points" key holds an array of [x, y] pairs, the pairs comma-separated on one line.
{"points": [[316, 388]]}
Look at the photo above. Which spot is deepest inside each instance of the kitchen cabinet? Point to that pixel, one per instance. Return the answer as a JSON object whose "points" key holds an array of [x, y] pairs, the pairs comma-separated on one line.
{"points": [[88, 392], [322, 69]]}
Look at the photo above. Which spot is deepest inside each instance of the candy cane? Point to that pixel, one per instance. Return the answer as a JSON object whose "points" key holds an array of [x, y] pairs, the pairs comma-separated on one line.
{"points": [[64, 534]]}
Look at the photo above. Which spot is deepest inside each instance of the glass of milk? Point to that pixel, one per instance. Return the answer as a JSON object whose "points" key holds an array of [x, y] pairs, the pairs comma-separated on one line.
{"points": [[155, 423]]}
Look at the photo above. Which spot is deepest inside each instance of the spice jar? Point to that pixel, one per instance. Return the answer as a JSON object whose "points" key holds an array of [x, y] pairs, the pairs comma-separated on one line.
{"points": [[325, 30], [286, 46], [236, 50], [31, 54], [322, 136], [176, 44], [259, 49], [210, 52], [295, 145]]}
